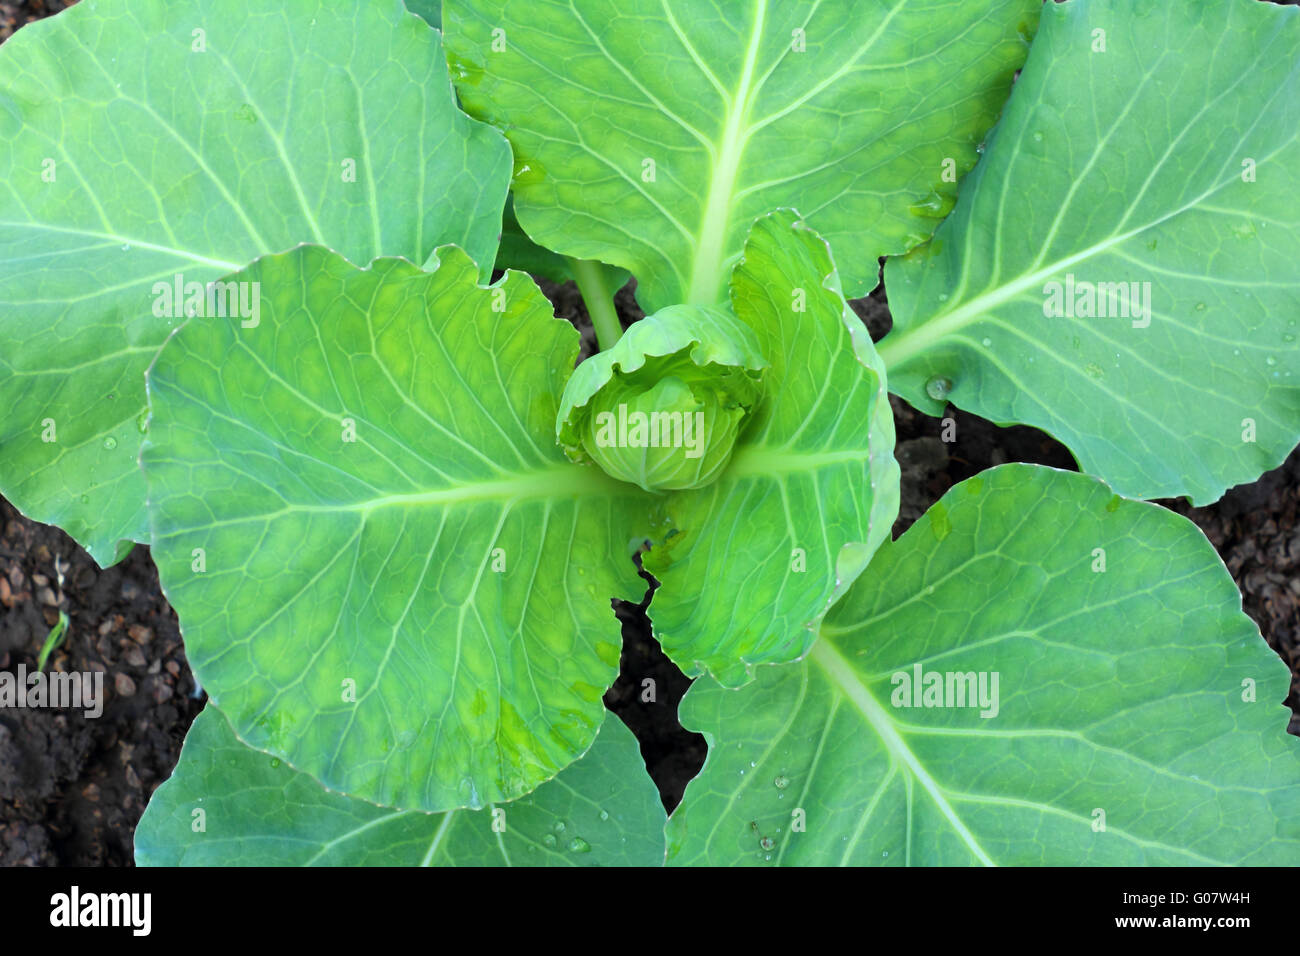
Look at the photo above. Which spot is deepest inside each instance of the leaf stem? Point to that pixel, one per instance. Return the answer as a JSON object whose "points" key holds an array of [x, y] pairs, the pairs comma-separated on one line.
{"points": [[596, 294]]}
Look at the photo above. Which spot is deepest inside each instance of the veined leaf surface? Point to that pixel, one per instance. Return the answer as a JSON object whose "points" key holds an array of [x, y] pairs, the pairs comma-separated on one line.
{"points": [[518, 251], [602, 810], [1161, 169], [142, 140], [387, 572], [750, 563], [1138, 717], [651, 133]]}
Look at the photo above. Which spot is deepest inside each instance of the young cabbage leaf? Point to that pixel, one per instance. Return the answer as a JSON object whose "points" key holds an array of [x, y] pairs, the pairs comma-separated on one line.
{"points": [[150, 147], [662, 409], [389, 574], [602, 810], [651, 133], [750, 563], [1121, 269], [1037, 673]]}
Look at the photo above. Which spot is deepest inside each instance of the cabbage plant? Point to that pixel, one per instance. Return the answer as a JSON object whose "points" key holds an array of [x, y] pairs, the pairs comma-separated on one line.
{"points": [[265, 305]]}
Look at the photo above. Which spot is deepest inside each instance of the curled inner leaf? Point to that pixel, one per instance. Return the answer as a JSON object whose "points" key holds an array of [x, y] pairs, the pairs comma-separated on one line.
{"points": [[664, 407]]}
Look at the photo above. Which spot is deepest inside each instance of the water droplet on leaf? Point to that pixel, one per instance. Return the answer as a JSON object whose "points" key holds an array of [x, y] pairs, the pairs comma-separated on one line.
{"points": [[938, 388]]}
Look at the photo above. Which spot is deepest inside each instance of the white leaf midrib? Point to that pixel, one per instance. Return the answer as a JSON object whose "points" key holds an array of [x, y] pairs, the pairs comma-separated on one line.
{"points": [[706, 272], [845, 679]]}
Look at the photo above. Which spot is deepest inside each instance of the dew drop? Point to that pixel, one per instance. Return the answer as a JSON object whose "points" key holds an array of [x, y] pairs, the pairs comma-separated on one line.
{"points": [[767, 843], [986, 342], [604, 814], [1270, 360], [549, 840], [275, 762], [579, 845], [559, 826], [110, 442], [938, 388], [1200, 307], [782, 782], [1038, 136]]}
